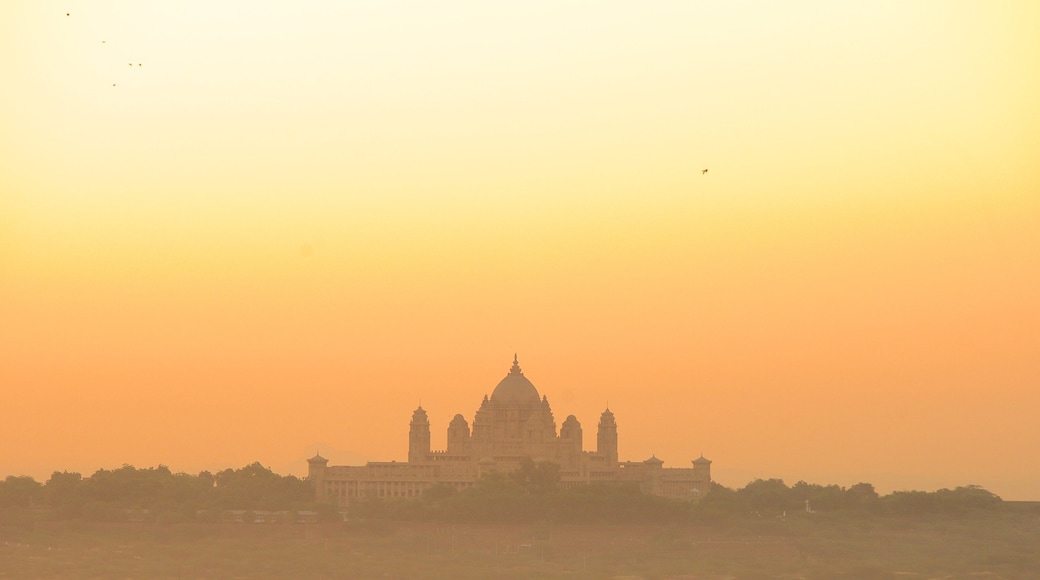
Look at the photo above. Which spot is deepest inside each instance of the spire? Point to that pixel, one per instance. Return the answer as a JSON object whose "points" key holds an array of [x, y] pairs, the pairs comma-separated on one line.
{"points": [[516, 367]]}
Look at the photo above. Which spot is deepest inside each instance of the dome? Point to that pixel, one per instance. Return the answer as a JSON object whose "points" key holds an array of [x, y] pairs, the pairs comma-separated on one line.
{"points": [[515, 389], [459, 420], [570, 424]]}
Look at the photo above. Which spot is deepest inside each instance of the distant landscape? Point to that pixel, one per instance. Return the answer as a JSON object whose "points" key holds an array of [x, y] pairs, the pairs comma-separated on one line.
{"points": [[793, 246], [152, 522]]}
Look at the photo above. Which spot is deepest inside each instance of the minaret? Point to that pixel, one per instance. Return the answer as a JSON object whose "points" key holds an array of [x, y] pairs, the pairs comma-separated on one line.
{"points": [[606, 438], [419, 437]]}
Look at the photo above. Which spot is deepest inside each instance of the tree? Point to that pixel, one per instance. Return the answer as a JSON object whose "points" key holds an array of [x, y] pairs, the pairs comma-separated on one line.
{"points": [[19, 491], [820, 497], [64, 492], [766, 495], [860, 495], [967, 497], [720, 503], [537, 478], [257, 487]]}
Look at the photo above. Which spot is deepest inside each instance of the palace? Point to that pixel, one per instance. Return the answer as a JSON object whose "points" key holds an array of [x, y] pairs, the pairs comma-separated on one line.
{"points": [[512, 424]]}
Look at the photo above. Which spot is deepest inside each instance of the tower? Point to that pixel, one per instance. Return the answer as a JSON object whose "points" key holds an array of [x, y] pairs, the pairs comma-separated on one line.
{"points": [[606, 438], [419, 437], [570, 443], [702, 474], [316, 474], [458, 435], [570, 433]]}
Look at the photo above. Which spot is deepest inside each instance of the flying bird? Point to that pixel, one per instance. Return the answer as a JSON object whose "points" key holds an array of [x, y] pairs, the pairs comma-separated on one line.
{"points": [[703, 171]]}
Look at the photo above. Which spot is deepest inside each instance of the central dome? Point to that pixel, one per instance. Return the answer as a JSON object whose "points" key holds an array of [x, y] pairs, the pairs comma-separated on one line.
{"points": [[515, 389]]}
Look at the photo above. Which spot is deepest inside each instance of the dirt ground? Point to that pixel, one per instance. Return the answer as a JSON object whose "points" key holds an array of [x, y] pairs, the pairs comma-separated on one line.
{"points": [[997, 546]]}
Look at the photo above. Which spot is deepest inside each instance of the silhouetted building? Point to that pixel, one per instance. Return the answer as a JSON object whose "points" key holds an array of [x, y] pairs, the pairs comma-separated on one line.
{"points": [[512, 424]]}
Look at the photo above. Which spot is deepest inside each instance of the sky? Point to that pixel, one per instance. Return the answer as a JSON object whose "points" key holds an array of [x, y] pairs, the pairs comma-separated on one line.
{"points": [[250, 231]]}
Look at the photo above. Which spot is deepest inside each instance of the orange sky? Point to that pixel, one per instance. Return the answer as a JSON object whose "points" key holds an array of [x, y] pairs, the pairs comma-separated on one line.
{"points": [[290, 223]]}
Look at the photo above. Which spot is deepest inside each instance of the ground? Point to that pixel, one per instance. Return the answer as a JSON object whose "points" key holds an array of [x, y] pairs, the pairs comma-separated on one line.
{"points": [[981, 546]]}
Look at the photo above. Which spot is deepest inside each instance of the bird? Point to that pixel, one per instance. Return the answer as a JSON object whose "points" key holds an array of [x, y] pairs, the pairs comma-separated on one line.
{"points": [[703, 171]]}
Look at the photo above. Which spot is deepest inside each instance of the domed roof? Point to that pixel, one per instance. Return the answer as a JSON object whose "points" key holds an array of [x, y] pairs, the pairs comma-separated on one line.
{"points": [[515, 389], [458, 420], [570, 424]]}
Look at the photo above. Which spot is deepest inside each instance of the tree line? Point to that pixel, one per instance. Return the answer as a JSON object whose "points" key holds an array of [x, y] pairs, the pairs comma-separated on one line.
{"points": [[156, 493], [531, 493]]}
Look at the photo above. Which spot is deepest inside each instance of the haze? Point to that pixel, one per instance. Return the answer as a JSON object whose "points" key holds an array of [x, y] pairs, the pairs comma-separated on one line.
{"points": [[246, 231]]}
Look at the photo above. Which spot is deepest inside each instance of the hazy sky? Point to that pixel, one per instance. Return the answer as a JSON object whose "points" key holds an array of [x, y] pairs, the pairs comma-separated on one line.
{"points": [[243, 231]]}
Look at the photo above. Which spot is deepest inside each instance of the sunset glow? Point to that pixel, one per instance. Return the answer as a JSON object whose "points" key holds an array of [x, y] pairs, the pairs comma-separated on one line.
{"points": [[249, 231]]}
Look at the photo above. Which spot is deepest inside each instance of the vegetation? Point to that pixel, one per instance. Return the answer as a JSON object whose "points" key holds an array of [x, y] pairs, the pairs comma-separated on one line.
{"points": [[531, 493], [514, 525], [156, 494]]}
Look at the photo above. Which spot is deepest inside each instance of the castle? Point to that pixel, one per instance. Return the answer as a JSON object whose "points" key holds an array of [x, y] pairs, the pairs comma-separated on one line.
{"points": [[512, 424]]}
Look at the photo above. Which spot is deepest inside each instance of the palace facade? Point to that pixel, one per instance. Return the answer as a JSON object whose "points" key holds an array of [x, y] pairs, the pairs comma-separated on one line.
{"points": [[511, 424]]}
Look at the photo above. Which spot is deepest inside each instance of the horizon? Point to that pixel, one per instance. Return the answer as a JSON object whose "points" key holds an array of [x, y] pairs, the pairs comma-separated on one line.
{"points": [[244, 232], [438, 437]]}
